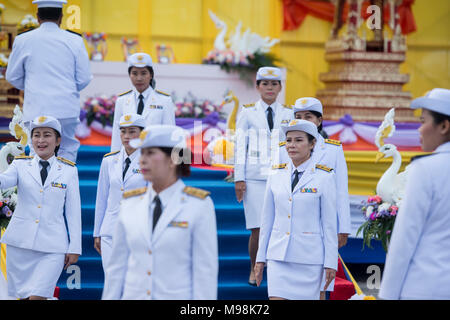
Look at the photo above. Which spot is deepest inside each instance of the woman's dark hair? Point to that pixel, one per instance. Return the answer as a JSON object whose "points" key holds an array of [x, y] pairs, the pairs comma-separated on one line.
{"points": [[259, 81], [57, 136], [152, 73], [183, 169], [52, 14], [318, 115], [438, 117]]}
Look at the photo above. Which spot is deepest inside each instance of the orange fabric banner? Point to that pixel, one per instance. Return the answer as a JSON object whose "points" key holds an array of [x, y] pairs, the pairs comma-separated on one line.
{"points": [[295, 12]]}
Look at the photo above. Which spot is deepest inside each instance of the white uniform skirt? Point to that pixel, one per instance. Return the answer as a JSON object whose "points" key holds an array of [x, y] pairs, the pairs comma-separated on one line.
{"points": [[294, 281], [253, 202], [32, 273]]}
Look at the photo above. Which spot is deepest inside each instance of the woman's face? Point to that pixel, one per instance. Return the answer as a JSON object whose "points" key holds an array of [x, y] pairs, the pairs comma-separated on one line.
{"points": [[308, 116], [127, 134], [140, 78], [432, 135], [298, 147], [44, 142], [269, 89], [155, 165]]}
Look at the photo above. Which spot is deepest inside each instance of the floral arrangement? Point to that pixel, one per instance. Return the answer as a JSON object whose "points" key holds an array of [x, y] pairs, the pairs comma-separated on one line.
{"points": [[380, 217], [7, 206], [97, 45], [99, 109], [191, 107], [28, 23], [246, 64]]}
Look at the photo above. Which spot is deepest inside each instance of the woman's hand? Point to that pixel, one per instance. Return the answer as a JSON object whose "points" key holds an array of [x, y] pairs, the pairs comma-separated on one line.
{"points": [[97, 244], [240, 187], [259, 269], [71, 258], [330, 274]]}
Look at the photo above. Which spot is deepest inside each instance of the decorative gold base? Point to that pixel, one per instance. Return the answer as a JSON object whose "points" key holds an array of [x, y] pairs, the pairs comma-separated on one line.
{"points": [[365, 85]]}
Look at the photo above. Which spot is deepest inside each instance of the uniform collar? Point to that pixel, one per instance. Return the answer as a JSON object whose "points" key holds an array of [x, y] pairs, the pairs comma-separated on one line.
{"points": [[167, 193], [49, 26], [302, 167], [132, 156], [445, 147], [146, 93], [51, 161], [265, 105]]}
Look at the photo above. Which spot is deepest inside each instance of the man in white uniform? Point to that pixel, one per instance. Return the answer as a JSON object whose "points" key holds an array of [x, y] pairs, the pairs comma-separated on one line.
{"points": [[52, 66]]}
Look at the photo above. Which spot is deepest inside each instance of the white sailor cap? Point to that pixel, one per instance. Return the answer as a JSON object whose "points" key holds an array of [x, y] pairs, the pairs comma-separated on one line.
{"points": [[50, 3], [140, 60], [46, 122], [301, 125], [308, 104], [132, 120], [437, 100], [162, 135], [268, 73]]}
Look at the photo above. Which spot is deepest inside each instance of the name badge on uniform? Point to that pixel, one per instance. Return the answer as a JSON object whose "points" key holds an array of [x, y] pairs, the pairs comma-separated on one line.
{"points": [[308, 190], [254, 153], [153, 106], [285, 121], [137, 171], [59, 185], [179, 224]]}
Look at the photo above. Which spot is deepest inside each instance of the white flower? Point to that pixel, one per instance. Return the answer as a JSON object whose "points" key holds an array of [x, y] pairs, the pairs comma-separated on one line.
{"points": [[197, 111], [369, 211], [384, 206]]}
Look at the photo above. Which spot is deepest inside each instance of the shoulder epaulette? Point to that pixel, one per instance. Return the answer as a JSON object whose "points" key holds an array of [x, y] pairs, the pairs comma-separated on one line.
{"points": [[78, 34], [70, 163], [196, 192], [324, 168], [287, 107], [110, 154], [420, 156], [24, 32], [22, 157], [122, 94], [335, 142], [248, 105], [282, 143], [163, 93], [279, 166], [134, 192]]}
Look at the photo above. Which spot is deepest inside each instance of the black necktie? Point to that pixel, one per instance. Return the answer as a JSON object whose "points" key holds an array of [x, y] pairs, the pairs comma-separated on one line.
{"points": [[127, 165], [157, 211], [44, 172], [141, 104], [297, 177], [270, 118]]}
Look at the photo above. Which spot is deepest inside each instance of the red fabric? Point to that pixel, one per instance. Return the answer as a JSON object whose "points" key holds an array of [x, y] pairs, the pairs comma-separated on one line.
{"points": [[343, 289], [56, 293], [295, 12]]}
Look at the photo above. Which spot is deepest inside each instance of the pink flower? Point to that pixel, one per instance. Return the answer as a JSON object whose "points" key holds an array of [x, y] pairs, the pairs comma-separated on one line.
{"points": [[373, 216]]}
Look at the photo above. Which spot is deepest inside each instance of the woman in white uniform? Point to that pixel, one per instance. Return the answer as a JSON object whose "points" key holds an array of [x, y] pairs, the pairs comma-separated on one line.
{"points": [[257, 134], [39, 243], [298, 238], [119, 172], [330, 153], [418, 259], [165, 242], [155, 106]]}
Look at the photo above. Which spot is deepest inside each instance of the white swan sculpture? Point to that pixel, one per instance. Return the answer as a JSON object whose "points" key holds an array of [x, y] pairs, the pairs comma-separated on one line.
{"points": [[391, 185]]}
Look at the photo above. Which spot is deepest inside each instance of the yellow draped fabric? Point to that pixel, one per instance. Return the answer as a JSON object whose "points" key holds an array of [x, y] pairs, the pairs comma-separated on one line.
{"points": [[3, 256]]}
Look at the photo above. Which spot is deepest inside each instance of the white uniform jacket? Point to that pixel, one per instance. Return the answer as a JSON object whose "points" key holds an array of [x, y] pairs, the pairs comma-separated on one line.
{"points": [[158, 109], [255, 143], [111, 187], [299, 226], [330, 153], [178, 260], [52, 66], [418, 259], [38, 220]]}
